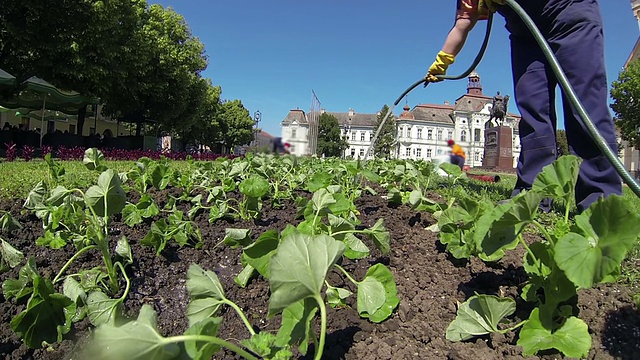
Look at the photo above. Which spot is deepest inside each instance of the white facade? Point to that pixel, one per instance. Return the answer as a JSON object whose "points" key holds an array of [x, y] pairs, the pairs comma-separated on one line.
{"points": [[422, 133]]}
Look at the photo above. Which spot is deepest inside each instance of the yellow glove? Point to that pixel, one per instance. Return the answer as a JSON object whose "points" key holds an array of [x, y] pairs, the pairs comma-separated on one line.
{"points": [[490, 4], [439, 67]]}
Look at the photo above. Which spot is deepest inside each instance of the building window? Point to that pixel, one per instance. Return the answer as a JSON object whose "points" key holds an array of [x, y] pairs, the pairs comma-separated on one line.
{"points": [[362, 136], [429, 153], [72, 129], [293, 133], [463, 135], [439, 134], [361, 153], [353, 136], [419, 152], [370, 137], [353, 152], [419, 133], [429, 134], [476, 135], [409, 132], [439, 151], [92, 131], [407, 152], [476, 156], [445, 135]]}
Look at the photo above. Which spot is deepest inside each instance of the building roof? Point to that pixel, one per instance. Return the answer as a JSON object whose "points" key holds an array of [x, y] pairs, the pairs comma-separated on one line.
{"points": [[355, 119], [471, 102], [265, 134], [296, 115], [433, 113]]}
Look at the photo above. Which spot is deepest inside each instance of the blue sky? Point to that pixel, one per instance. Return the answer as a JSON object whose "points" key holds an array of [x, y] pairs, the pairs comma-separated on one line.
{"points": [[354, 54]]}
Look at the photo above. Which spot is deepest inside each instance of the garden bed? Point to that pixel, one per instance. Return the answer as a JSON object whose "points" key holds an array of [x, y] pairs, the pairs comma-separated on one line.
{"points": [[429, 281]]}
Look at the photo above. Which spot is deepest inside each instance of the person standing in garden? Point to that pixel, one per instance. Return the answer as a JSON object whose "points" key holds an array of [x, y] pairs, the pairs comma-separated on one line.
{"points": [[575, 33], [458, 155]]}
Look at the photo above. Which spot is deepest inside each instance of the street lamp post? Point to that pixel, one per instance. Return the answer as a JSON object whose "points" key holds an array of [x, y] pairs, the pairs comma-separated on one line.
{"points": [[256, 117]]}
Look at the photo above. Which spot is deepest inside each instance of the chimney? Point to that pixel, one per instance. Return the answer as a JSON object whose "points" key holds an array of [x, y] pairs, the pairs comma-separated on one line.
{"points": [[446, 102], [322, 111], [351, 112]]}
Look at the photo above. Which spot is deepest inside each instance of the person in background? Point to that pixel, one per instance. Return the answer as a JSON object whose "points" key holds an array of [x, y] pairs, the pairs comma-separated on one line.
{"points": [[458, 156], [279, 147], [575, 33]]}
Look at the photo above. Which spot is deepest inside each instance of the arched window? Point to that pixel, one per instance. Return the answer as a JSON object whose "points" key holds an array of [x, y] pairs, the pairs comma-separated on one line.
{"points": [[445, 134], [463, 135]]}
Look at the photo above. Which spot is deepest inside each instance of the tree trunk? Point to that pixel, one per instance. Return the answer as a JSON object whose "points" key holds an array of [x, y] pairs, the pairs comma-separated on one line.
{"points": [[138, 126], [82, 113]]}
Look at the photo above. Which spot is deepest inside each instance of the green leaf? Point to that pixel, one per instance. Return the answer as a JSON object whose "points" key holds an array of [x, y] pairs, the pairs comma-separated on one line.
{"points": [[300, 267], [321, 199], [255, 187], [451, 169], [336, 296], [558, 179], [380, 236], [319, 180], [296, 324], [572, 338], [499, 229], [377, 294], [36, 196], [206, 292], [73, 290], [259, 254], [136, 340], [101, 309], [93, 159], [237, 237], [156, 237], [201, 350], [356, 249], [604, 235], [10, 257], [109, 189], [124, 250], [9, 223], [160, 176], [479, 315], [245, 275], [47, 317], [20, 287]]}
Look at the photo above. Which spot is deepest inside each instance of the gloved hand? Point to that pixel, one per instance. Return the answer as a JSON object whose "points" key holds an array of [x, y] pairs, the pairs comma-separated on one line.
{"points": [[490, 4], [439, 67]]}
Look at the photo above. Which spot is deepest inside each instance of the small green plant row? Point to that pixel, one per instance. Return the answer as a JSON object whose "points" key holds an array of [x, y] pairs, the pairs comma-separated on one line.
{"points": [[573, 255]]}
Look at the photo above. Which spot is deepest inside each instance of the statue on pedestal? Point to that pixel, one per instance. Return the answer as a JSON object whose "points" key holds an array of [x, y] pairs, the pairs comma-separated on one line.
{"points": [[498, 111]]}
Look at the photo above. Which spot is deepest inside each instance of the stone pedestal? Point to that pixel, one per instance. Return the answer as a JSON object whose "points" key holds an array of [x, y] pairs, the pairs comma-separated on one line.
{"points": [[498, 148]]}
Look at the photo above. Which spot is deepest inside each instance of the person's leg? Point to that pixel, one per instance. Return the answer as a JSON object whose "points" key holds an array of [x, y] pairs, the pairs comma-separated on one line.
{"points": [[457, 160], [535, 97], [580, 51]]}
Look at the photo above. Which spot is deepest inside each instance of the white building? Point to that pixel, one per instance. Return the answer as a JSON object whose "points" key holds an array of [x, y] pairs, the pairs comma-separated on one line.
{"points": [[422, 132], [629, 155]]}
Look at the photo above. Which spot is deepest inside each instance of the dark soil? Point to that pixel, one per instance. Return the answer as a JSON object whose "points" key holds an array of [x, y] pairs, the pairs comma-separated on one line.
{"points": [[429, 281]]}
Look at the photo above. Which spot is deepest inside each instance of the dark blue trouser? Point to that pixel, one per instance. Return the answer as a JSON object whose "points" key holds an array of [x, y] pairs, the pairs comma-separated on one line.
{"points": [[457, 160], [573, 29]]}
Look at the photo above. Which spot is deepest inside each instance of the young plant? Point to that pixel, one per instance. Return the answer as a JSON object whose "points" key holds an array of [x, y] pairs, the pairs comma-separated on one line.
{"points": [[571, 257], [10, 257], [177, 228], [140, 339]]}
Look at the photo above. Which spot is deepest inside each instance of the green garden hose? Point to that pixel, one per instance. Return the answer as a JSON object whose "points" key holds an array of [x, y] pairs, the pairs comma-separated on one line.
{"points": [[562, 80]]}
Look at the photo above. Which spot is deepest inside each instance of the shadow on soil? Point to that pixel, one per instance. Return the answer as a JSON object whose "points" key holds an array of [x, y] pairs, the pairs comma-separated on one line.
{"points": [[621, 333], [342, 340]]}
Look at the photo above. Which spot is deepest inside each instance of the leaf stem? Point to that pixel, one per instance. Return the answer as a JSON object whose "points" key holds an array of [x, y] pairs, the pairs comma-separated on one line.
{"points": [[323, 326], [533, 256], [126, 278], [242, 315], [73, 258], [544, 231], [347, 275], [513, 328], [211, 339]]}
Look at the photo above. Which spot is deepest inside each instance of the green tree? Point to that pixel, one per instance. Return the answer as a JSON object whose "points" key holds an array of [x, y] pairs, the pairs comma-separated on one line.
{"points": [[561, 143], [626, 102], [386, 142], [330, 141], [236, 124]]}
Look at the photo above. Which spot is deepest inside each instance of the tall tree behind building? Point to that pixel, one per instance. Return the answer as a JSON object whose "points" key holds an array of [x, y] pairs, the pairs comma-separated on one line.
{"points": [[386, 141], [330, 141]]}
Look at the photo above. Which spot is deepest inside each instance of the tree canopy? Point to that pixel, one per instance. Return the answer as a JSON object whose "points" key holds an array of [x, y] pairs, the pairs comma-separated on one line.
{"points": [[330, 141], [141, 60], [626, 103], [386, 142]]}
